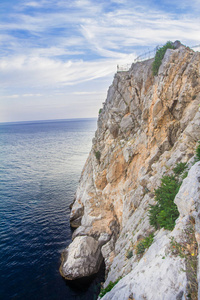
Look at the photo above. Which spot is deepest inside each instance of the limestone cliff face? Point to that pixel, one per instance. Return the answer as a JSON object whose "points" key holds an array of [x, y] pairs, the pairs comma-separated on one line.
{"points": [[147, 125]]}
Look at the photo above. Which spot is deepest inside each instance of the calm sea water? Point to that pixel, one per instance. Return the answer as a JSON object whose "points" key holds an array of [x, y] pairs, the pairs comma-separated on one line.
{"points": [[40, 163]]}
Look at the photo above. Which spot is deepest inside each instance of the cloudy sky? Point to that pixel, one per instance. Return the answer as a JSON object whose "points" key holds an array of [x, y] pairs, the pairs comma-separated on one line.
{"points": [[58, 57]]}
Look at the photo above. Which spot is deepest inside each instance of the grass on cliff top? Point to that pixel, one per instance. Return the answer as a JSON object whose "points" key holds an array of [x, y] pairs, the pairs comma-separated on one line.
{"points": [[159, 57]]}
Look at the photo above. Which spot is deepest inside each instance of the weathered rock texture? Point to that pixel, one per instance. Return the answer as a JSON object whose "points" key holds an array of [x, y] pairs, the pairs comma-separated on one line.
{"points": [[82, 258], [147, 125]]}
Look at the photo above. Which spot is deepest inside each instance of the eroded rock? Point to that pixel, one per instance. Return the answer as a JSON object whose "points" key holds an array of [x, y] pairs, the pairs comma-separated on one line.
{"points": [[81, 258], [147, 125]]}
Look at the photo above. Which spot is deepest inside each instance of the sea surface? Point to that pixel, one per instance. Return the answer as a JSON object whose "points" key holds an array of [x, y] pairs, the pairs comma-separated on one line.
{"points": [[40, 166]]}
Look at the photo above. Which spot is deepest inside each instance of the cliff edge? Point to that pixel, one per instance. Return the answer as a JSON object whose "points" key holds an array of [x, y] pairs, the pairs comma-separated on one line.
{"points": [[147, 126]]}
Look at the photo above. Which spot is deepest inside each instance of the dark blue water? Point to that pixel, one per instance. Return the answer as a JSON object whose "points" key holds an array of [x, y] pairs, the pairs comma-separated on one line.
{"points": [[40, 163]]}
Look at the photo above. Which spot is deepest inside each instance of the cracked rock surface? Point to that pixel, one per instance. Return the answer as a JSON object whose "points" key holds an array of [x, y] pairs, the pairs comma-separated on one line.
{"points": [[147, 125]]}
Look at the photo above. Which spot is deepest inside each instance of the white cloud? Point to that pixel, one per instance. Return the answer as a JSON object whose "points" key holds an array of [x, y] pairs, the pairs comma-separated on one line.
{"points": [[32, 95], [69, 43], [111, 36], [11, 96], [119, 1], [100, 33], [86, 93], [41, 72], [33, 4], [20, 96]]}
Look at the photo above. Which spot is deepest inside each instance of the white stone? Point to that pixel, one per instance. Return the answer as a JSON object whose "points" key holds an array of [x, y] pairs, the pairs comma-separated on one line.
{"points": [[82, 258]]}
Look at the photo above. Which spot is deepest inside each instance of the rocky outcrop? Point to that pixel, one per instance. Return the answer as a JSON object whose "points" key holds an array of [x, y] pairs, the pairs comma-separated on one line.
{"points": [[160, 274], [147, 125], [82, 258]]}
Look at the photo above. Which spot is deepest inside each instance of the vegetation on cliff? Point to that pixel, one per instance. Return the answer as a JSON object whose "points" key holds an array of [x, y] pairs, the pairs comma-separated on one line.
{"points": [[145, 128], [188, 250], [165, 212], [159, 57], [109, 287], [198, 152], [97, 155], [144, 244]]}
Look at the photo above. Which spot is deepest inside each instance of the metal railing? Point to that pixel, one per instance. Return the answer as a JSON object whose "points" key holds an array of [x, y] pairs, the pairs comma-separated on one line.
{"points": [[147, 55], [123, 68], [144, 56]]}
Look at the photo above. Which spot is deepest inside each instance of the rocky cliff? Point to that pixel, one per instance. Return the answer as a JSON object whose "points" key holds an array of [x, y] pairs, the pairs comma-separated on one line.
{"points": [[147, 125]]}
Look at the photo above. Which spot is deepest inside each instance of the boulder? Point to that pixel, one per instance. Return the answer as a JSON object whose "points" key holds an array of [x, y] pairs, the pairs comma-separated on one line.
{"points": [[81, 258]]}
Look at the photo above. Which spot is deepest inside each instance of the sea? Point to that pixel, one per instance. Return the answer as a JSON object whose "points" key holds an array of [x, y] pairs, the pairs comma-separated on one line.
{"points": [[40, 167]]}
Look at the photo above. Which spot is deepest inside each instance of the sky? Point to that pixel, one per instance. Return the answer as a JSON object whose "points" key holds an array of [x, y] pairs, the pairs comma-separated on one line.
{"points": [[58, 57]]}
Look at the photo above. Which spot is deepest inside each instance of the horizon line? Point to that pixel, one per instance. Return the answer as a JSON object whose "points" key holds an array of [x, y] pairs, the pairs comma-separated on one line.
{"points": [[48, 120]]}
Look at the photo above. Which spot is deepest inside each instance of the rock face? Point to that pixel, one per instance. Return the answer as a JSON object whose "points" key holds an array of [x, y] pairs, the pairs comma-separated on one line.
{"points": [[147, 125], [159, 274]]}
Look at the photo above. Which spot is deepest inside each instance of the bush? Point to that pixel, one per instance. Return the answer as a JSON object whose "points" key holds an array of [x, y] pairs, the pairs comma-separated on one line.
{"points": [[98, 155], [144, 244], [159, 57], [180, 167], [185, 174], [100, 111], [198, 152], [165, 212], [129, 254], [108, 288]]}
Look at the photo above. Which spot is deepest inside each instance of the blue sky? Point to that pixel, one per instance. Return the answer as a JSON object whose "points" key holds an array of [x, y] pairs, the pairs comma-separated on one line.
{"points": [[58, 57]]}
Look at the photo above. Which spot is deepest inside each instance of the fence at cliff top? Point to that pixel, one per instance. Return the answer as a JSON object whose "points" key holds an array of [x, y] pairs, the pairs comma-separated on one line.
{"points": [[123, 68], [145, 56]]}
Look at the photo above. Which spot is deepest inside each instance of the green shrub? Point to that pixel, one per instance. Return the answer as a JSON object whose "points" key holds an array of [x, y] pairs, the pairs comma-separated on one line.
{"points": [[185, 174], [165, 212], [144, 244], [129, 254], [180, 167], [98, 155], [100, 111], [198, 152], [159, 57], [154, 210], [109, 287]]}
